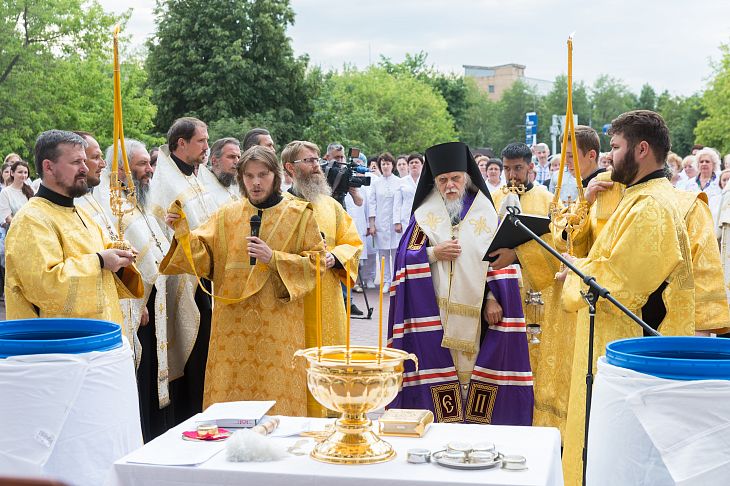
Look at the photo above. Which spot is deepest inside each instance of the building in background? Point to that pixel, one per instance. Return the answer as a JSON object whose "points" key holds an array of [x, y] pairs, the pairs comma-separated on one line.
{"points": [[495, 80]]}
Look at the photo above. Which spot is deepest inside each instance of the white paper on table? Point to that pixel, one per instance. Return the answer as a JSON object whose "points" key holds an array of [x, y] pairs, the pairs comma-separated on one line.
{"points": [[226, 412], [291, 426], [176, 453]]}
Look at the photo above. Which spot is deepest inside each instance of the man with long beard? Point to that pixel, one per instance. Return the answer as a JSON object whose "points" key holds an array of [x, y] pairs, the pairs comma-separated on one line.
{"points": [[58, 260], [167, 302], [220, 179], [343, 245], [463, 320]]}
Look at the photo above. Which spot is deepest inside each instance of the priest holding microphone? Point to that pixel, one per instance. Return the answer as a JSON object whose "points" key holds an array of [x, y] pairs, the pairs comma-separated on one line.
{"points": [[258, 313]]}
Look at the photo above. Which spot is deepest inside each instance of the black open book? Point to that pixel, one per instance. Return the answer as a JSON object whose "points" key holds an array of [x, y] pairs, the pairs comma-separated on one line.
{"points": [[509, 236]]}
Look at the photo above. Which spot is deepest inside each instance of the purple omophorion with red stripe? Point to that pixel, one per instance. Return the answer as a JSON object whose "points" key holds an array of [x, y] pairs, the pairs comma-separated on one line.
{"points": [[500, 390]]}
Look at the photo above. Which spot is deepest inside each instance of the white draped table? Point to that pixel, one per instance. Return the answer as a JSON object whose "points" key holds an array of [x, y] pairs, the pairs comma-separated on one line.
{"points": [[541, 447]]}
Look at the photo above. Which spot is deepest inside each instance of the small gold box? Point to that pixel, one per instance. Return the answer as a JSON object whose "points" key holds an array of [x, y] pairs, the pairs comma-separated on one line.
{"points": [[405, 423]]}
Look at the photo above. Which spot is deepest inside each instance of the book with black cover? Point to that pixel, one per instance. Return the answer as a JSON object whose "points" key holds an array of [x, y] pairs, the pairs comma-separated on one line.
{"points": [[510, 236]]}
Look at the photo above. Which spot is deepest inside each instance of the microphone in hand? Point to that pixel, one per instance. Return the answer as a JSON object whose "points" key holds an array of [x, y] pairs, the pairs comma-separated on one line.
{"points": [[255, 227]]}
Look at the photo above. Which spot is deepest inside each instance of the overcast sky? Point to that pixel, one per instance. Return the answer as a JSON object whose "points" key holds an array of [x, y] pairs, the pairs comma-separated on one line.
{"points": [[668, 44]]}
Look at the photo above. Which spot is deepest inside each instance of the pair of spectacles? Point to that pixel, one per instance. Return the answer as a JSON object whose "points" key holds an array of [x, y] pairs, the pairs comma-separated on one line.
{"points": [[308, 160]]}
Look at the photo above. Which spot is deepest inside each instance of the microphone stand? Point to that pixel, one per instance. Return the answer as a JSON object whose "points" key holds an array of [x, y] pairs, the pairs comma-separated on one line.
{"points": [[595, 291]]}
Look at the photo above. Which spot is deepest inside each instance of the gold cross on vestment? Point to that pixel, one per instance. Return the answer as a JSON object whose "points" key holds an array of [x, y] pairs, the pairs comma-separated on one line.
{"points": [[432, 221], [480, 225]]}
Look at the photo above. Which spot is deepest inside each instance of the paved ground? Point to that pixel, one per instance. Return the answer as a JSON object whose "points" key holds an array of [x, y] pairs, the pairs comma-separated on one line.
{"points": [[365, 331]]}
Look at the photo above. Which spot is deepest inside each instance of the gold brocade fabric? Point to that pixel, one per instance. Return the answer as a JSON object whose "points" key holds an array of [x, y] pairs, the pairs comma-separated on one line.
{"points": [[253, 341], [52, 269], [711, 304], [643, 244], [551, 358], [601, 210], [535, 201], [343, 241]]}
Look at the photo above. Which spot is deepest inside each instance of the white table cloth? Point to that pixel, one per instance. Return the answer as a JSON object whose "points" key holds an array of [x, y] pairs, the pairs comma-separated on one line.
{"points": [[541, 447]]}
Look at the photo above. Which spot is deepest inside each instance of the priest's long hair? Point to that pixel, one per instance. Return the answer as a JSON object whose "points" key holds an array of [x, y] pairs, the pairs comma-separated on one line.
{"points": [[267, 157]]}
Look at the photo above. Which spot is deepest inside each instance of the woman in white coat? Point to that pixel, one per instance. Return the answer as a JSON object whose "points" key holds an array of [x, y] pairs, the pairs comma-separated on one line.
{"points": [[380, 216], [403, 201], [707, 179]]}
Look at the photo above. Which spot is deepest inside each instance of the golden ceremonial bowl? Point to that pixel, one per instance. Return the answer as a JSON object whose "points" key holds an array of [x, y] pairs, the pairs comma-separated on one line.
{"points": [[354, 384]]}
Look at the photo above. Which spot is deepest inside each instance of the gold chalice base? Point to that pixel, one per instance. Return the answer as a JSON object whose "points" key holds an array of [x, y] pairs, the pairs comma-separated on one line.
{"points": [[355, 386]]}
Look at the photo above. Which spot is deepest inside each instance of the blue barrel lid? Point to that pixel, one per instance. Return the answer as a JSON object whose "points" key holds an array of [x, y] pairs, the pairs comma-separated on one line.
{"points": [[50, 336], [673, 357]]}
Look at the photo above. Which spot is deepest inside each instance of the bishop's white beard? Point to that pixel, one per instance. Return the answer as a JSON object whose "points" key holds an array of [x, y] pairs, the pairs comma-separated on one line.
{"points": [[454, 208], [311, 186]]}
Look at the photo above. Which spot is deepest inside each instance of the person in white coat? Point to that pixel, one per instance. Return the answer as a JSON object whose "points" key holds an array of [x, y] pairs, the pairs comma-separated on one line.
{"points": [[403, 200], [380, 216], [708, 180]]}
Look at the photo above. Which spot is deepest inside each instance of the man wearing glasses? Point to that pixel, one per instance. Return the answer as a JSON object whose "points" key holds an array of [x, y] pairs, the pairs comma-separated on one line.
{"points": [[301, 161]]}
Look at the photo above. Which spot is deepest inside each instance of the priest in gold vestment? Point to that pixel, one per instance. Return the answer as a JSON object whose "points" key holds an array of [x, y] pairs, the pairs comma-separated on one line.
{"points": [[301, 161], [258, 317], [57, 260], [641, 255], [549, 359], [604, 196]]}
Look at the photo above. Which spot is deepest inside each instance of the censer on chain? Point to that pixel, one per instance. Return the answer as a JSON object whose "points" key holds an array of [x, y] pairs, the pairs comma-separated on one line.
{"points": [[534, 303], [123, 197]]}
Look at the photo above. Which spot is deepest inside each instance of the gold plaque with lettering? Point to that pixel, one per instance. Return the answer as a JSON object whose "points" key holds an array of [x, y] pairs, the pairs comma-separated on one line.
{"points": [[405, 423], [480, 402], [447, 402]]}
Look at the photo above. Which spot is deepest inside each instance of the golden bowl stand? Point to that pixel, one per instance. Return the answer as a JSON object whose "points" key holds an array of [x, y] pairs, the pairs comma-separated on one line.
{"points": [[365, 382]]}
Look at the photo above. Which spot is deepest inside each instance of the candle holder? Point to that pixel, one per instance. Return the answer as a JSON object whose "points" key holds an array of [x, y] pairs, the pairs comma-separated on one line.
{"points": [[354, 384], [122, 196]]}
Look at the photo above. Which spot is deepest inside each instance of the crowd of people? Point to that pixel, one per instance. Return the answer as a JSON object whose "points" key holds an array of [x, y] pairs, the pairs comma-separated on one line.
{"points": [[209, 265]]}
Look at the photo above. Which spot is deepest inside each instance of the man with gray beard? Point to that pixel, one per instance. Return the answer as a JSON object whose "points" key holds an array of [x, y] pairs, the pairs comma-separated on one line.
{"points": [[220, 179], [162, 307], [462, 319], [301, 161]]}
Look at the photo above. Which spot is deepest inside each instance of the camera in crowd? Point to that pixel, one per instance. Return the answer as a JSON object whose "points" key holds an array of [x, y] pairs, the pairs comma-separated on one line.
{"points": [[341, 176]]}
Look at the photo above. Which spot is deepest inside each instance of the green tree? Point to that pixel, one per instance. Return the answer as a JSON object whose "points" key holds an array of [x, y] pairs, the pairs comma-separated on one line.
{"points": [[555, 103], [453, 88], [56, 72], [682, 115], [713, 130], [219, 59], [519, 99], [610, 97], [480, 126], [376, 111], [647, 98]]}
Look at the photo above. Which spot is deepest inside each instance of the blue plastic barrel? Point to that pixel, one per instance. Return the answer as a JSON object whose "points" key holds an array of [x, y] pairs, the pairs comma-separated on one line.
{"points": [[50, 336], [673, 357]]}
